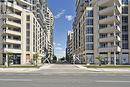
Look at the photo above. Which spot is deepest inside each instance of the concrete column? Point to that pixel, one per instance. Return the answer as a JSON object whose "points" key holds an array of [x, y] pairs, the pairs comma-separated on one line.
{"points": [[120, 57], [114, 58], [109, 58], [1, 58], [6, 62]]}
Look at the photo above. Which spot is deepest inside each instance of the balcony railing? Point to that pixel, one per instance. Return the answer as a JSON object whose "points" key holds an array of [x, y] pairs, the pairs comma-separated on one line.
{"points": [[110, 49], [110, 20], [110, 29]]}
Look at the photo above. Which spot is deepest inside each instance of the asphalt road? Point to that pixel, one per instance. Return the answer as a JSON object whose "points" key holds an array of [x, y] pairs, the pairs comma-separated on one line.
{"points": [[64, 76]]}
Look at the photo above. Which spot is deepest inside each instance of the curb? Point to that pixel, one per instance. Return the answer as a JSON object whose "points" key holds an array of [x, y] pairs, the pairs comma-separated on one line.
{"points": [[20, 70]]}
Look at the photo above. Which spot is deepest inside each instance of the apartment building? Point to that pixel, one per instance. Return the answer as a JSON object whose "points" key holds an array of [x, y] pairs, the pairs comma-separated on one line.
{"points": [[23, 30], [101, 27], [83, 39], [70, 46], [50, 29]]}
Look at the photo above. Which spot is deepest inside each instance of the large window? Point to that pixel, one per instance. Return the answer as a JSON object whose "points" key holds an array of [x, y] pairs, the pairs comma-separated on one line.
{"points": [[28, 33], [89, 47], [90, 38], [103, 35], [90, 13], [103, 45], [124, 1], [27, 48], [28, 17], [125, 37], [125, 45], [125, 29], [28, 25], [89, 21], [125, 19], [89, 30], [125, 10], [102, 26]]}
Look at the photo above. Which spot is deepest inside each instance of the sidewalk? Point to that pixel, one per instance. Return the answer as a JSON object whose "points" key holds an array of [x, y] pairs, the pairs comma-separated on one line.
{"points": [[20, 70], [114, 70]]}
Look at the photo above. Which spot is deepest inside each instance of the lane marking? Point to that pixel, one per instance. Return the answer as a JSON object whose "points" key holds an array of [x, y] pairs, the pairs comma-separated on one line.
{"points": [[17, 80], [111, 81]]}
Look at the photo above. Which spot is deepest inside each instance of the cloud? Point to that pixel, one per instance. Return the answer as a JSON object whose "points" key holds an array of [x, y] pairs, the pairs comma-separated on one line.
{"points": [[60, 14], [58, 48], [69, 17], [58, 44]]}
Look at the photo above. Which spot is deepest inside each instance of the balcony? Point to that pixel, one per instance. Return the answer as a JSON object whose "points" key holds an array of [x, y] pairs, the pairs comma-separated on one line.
{"points": [[13, 50], [110, 29], [14, 16], [108, 2], [24, 2], [12, 32], [13, 24], [12, 41], [110, 20], [14, 6], [110, 49], [110, 10], [110, 39]]}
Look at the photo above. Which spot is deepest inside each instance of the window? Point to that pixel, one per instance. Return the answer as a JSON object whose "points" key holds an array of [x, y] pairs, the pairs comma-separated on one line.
{"points": [[89, 30], [16, 46], [9, 45], [28, 33], [101, 8], [124, 1], [28, 18], [90, 38], [125, 37], [103, 35], [125, 10], [28, 41], [103, 45], [125, 45], [27, 48], [89, 21], [125, 19], [4, 45], [89, 47], [102, 17], [34, 20], [28, 25], [125, 28], [101, 26], [90, 13]]}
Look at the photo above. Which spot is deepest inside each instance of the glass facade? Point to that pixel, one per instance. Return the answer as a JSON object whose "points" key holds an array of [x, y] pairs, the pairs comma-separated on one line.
{"points": [[125, 43], [89, 30], [125, 1]]}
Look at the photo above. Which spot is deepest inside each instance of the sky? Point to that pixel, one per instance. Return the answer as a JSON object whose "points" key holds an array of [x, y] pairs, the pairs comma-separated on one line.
{"points": [[64, 12]]}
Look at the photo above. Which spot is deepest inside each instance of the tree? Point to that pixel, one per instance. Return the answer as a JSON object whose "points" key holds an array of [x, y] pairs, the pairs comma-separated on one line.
{"points": [[99, 58], [54, 59], [69, 58], [9, 58], [35, 58]]}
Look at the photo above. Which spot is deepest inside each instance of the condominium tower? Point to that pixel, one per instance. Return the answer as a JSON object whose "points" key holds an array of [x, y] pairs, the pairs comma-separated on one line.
{"points": [[23, 30], [70, 46], [101, 27], [50, 29]]}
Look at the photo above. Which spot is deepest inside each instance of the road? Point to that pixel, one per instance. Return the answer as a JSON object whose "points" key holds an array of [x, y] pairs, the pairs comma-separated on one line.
{"points": [[64, 76]]}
